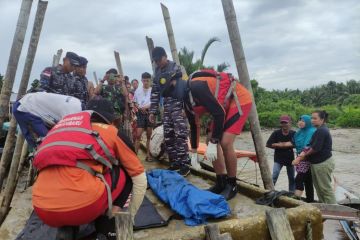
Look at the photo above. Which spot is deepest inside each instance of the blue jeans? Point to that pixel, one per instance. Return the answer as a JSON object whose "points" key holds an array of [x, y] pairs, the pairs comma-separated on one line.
{"points": [[290, 172]]}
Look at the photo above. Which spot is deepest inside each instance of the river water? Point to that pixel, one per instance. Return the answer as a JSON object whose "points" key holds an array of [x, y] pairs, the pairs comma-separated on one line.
{"points": [[346, 151]]}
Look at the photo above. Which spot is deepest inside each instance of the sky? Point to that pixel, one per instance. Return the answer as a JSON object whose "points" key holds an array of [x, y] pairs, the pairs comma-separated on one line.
{"points": [[287, 44]]}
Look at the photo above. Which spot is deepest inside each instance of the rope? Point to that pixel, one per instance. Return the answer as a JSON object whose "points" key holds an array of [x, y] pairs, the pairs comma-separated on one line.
{"points": [[308, 230]]}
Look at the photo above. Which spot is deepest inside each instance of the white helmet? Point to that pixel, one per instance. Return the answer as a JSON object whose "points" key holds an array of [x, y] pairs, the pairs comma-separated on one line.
{"points": [[157, 142]]}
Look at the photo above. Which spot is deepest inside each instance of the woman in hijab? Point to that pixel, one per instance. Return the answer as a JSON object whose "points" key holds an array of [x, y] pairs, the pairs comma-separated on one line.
{"points": [[302, 140]]}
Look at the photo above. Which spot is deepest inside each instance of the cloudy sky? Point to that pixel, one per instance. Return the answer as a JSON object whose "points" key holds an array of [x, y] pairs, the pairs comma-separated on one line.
{"points": [[287, 44]]}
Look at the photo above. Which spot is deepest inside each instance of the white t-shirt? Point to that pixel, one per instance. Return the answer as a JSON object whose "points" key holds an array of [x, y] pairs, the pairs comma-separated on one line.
{"points": [[142, 96], [50, 107]]}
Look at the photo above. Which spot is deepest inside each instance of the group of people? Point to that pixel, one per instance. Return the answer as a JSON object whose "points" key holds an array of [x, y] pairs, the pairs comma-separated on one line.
{"points": [[82, 153], [313, 163]]}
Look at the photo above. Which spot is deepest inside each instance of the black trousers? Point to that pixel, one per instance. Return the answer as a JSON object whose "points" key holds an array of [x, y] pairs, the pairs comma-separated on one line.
{"points": [[304, 181]]}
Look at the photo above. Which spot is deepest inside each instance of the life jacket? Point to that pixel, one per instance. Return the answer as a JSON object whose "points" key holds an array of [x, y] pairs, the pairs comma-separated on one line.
{"points": [[221, 84], [73, 139]]}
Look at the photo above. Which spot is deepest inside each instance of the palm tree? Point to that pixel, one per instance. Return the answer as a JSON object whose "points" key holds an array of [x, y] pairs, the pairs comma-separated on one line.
{"points": [[186, 58]]}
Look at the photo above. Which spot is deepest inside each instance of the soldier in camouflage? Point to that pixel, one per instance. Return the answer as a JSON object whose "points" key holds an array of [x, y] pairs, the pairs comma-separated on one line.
{"points": [[80, 86], [59, 79], [169, 85], [113, 93]]}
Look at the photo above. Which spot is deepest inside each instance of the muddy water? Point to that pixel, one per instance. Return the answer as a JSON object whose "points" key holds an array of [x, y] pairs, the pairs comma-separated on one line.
{"points": [[346, 151]]}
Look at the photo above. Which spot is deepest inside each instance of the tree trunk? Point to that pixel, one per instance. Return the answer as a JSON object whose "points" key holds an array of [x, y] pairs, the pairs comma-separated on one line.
{"points": [[171, 38], [150, 44], [13, 62], [34, 40], [234, 34]]}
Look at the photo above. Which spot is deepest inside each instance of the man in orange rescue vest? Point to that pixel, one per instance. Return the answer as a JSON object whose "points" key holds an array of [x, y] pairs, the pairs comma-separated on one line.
{"points": [[229, 104], [86, 169]]}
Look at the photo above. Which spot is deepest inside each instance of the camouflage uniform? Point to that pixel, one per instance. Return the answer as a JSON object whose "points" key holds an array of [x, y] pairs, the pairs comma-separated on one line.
{"points": [[114, 94], [174, 119], [80, 89], [55, 80]]}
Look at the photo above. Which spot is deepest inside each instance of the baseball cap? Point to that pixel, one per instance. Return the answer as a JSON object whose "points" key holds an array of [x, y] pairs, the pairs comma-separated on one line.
{"points": [[74, 58], [285, 118], [83, 61], [102, 106], [158, 53]]}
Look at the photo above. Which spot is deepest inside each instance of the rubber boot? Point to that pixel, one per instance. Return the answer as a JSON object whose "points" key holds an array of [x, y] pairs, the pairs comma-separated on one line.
{"points": [[230, 189], [219, 185]]}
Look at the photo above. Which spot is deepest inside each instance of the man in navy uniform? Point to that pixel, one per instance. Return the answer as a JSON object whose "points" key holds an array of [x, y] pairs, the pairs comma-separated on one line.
{"points": [[59, 79], [80, 86]]}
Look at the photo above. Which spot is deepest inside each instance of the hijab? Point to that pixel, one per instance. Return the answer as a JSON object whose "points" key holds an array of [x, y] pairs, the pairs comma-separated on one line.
{"points": [[303, 135]]}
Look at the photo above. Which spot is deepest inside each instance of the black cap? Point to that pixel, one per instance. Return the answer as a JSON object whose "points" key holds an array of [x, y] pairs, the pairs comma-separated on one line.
{"points": [[83, 61], [102, 106], [74, 58], [112, 70], [158, 53]]}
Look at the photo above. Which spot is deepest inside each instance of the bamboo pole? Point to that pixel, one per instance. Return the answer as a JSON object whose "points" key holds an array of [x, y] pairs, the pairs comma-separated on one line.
{"points": [[58, 56], [234, 34], [54, 61], [95, 78], [13, 62], [150, 44], [34, 40]]}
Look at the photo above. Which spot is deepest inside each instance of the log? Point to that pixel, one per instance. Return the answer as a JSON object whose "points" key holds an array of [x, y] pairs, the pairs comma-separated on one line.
{"points": [[278, 224], [13, 61], [234, 34], [123, 226]]}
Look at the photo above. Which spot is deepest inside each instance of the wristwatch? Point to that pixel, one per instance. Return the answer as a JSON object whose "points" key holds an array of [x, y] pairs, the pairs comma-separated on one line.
{"points": [[214, 140]]}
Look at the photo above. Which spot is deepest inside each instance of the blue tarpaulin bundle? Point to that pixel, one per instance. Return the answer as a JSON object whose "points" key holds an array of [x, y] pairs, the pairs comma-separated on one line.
{"points": [[194, 204]]}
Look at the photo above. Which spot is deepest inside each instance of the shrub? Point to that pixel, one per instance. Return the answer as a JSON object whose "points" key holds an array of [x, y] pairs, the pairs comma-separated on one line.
{"points": [[350, 118]]}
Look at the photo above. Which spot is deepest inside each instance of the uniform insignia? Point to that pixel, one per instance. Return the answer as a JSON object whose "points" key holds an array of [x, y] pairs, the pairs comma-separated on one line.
{"points": [[162, 80]]}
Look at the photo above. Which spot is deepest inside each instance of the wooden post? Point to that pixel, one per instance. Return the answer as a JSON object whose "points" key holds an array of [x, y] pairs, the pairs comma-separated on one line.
{"points": [[11, 181], [95, 78], [54, 61], [58, 56], [150, 44], [118, 63], [13, 62], [34, 40], [171, 38], [212, 232], [241, 66], [278, 224], [123, 226], [23, 157], [127, 114]]}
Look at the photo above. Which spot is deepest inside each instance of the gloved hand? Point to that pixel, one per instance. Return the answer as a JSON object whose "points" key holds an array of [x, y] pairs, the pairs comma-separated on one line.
{"points": [[194, 160], [211, 152]]}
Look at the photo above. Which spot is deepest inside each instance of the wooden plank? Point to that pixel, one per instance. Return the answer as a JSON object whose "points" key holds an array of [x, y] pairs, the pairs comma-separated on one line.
{"points": [[338, 212], [278, 224], [123, 226]]}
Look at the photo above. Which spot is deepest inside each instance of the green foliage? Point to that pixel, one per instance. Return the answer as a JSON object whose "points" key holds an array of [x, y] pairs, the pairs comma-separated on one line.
{"points": [[191, 65], [338, 99], [350, 118]]}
